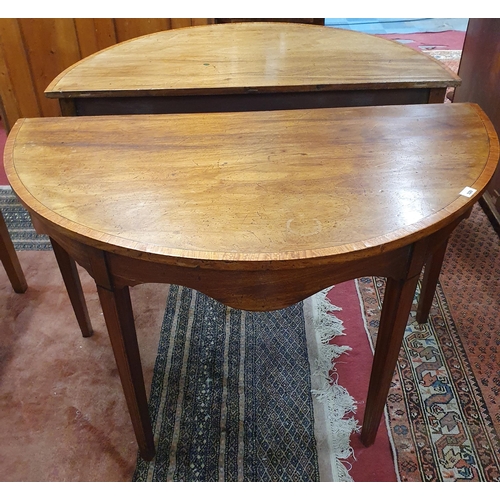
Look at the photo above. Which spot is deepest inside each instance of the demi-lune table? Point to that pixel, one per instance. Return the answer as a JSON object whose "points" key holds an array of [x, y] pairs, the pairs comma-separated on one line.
{"points": [[249, 66], [252, 66], [258, 210]]}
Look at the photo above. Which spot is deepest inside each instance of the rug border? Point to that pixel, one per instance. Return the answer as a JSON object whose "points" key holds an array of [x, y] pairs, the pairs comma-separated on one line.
{"points": [[386, 413]]}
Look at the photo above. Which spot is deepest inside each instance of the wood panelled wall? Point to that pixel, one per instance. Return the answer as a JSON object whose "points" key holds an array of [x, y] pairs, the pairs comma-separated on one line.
{"points": [[34, 51]]}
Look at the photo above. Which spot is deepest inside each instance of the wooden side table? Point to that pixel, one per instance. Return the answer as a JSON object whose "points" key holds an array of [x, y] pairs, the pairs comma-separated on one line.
{"points": [[254, 66], [257, 210], [249, 66]]}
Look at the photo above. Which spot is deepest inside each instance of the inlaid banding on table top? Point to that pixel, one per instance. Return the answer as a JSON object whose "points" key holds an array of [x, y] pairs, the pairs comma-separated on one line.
{"points": [[253, 186], [249, 57]]}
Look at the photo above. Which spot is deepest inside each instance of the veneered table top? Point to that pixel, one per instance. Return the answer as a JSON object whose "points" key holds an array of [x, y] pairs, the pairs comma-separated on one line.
{"points": [[253, 186], [246, 57]]}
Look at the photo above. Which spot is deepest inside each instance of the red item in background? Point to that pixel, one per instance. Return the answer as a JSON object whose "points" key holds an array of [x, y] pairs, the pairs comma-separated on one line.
{"points": [[375, 463], [443, 40]]}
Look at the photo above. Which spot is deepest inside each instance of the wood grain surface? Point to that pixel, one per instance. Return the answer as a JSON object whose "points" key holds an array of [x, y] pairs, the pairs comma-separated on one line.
{"points": [[260, 186], [258, 210], [249, 57]]}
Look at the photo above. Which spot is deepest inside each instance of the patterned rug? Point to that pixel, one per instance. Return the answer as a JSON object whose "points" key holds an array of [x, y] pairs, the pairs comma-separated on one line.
{"points": [[444, 402], [450, 59], [201, 369], [233, 396], [18, 221]]}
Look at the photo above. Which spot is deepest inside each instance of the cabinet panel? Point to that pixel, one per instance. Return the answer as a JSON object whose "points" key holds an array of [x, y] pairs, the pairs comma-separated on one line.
{"points": [[34, 51], [480, 73], [17, 92], [94, 35]]}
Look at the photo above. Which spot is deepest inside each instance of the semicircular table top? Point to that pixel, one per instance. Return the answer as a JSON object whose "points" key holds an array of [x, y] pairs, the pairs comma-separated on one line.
{"points": [[258, 210], [243, 57], [258, 186]]}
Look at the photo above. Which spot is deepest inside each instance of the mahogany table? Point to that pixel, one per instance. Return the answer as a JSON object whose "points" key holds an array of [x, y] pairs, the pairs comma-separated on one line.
{"points": [[258, 210], [249, 66], [253, 66]]}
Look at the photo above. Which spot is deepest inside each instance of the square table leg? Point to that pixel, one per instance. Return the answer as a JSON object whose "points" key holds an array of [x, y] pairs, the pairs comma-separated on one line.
{"points": [[118, 315], [396, 308], [429, 283], [73, 284], [10, 260], [117, 309]]}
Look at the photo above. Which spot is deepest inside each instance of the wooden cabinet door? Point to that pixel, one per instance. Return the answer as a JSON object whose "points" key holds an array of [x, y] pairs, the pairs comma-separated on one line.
{"points": [[480, 73]]}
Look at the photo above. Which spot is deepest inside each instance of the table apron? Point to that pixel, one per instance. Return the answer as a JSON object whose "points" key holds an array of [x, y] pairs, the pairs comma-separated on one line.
{"points": [[253, 290], [250, 101], [261, 289]]}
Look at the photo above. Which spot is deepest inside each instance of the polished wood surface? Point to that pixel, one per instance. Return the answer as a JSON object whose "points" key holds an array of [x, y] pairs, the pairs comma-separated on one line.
{"points": [[251, 59], [269, 186], [480, 70], [238, 57], [258, 210]]}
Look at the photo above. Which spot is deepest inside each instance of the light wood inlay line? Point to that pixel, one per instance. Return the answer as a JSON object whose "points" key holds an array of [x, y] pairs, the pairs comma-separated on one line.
{"points": [[258, 210]]}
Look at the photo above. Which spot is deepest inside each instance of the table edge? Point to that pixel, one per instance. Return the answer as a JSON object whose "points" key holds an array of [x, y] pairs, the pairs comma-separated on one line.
{"points": [[453, 79], [352, 251]]}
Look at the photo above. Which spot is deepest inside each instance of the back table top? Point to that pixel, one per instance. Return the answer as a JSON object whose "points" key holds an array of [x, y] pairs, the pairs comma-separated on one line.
{"points": [[249, 57]]}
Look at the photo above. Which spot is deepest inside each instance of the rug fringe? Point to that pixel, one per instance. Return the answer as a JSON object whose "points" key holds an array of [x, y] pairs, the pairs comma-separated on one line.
{"points": [[337, 402]]}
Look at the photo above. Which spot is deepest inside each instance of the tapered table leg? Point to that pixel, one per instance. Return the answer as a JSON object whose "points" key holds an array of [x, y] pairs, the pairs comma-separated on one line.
{"points": [[73, 284], [119, 318], [429, 283], [10, 260], [396, 308]]}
